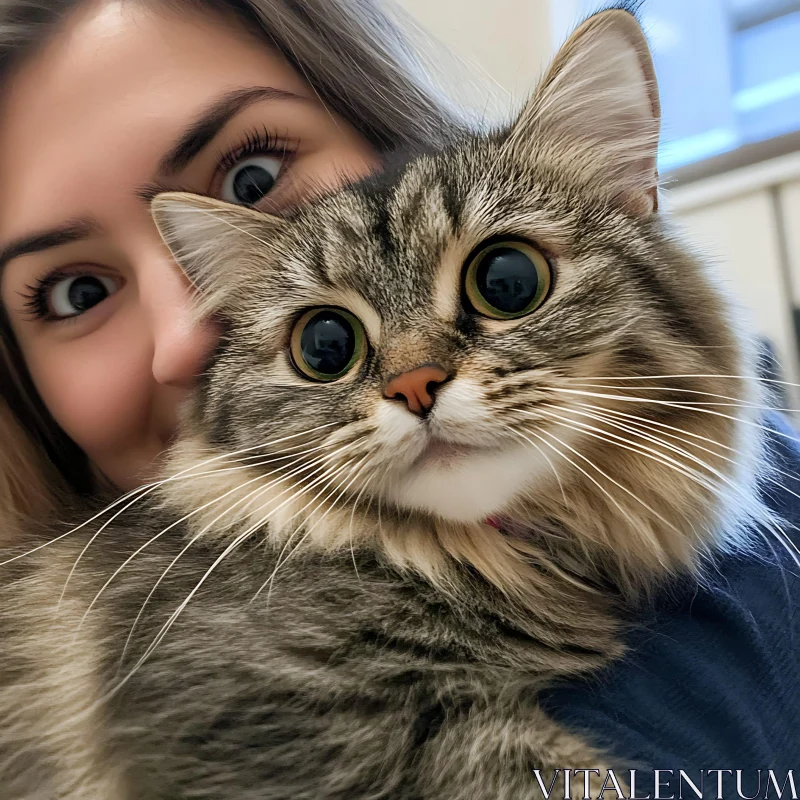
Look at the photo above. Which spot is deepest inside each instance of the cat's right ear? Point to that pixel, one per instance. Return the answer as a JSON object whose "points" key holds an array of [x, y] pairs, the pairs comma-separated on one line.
{"points": [[216, 244], [595, 114]]}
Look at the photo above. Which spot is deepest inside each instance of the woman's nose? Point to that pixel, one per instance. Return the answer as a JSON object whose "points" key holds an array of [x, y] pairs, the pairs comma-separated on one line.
{"points": [[181, 342]]}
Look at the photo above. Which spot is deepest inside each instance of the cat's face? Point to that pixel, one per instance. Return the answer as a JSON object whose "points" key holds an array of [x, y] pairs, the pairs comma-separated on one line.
{"points": [[452, 340]]}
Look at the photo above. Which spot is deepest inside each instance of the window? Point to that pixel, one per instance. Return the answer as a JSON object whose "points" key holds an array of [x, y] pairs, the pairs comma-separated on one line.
{"points": [[728, 71]]}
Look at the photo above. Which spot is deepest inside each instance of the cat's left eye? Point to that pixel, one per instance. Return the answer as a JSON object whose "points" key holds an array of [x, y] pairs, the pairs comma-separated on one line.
{"points": [[326, 343], [507, 279]]}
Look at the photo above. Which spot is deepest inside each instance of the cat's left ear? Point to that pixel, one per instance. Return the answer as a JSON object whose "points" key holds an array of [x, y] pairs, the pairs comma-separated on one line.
{"points": [[218, 245], [596, 113]]}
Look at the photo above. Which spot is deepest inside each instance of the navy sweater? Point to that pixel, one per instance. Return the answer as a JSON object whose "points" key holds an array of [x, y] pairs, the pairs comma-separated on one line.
{"points": [[712, 680]]}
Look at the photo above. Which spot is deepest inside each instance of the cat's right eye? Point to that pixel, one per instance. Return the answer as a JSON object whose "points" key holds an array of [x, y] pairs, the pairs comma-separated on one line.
{"points": [[507, 279], [326, 343]]}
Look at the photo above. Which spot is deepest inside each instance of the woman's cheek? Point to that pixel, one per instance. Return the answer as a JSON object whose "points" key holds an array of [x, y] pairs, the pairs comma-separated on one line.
{"points": [[99, 388]]}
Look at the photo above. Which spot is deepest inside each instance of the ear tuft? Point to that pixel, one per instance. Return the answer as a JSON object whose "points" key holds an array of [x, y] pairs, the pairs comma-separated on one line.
{"points": [[596, 112], [216, 244]]}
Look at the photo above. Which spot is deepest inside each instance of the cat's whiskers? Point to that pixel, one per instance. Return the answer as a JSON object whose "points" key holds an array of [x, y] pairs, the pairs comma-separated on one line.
{"points": [[327, 477], [656, 546], [237, 541], [735, 402], [168, 624], [732, 485], [599, 433], [61, 536], [784, 539], [190, 471], [667, 461], [352, 520], [649, 422], [544, 455], [353, 468], [625, 378], [380, 519], [680, 406], [655, 455], [149, 487], [328, 473], [646, 425], [638, 428], [580, 469], [192, 513], [160, 484], [685, 346], [566, 422], [314, 465]]}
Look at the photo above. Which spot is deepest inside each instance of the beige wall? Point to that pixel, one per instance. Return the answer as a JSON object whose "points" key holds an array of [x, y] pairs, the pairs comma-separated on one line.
{"points": [[510, 41], [747, 221]]}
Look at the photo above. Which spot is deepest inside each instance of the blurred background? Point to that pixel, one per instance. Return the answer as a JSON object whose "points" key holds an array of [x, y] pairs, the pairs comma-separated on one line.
{"points": [[729, 76]]}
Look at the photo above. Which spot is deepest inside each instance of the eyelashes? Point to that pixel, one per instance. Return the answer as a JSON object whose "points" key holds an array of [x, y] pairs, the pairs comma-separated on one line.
{"points": [[257, 141], [35, 295]]}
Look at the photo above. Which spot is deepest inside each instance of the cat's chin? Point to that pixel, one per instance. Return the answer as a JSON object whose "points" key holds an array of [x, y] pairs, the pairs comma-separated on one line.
{"points": [[465, 484]]}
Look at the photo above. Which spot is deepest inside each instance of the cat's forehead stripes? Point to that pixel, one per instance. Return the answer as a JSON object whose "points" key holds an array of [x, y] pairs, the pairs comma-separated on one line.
{"points": [[418, 214], [382, 247]]}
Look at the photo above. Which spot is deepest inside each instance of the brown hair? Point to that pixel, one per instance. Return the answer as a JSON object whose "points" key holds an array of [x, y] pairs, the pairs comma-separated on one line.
{"points": [[360, 61]]}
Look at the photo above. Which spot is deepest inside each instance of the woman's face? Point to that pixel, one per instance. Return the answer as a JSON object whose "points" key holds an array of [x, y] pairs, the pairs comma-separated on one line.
{"points": [[125, 99]]}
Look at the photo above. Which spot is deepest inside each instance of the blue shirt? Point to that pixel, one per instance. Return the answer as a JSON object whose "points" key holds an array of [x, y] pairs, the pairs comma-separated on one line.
{"points": [[712, 680]]}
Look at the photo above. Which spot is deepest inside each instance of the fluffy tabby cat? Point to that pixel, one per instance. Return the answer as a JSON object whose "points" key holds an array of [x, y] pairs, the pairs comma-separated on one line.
{"points": [[464, 414]]}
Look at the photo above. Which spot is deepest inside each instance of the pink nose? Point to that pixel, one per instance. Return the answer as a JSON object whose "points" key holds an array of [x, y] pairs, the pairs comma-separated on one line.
{"points": [[417, 387]]}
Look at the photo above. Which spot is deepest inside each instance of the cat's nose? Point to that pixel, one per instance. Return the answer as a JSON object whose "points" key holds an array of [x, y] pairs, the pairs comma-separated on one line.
{"points": [[417, 387]]}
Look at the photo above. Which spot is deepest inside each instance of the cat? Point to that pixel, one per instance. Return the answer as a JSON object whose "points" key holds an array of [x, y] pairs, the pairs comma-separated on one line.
{"points": [[465, 414]]}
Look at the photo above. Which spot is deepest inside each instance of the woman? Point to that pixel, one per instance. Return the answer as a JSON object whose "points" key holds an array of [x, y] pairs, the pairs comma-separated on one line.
{"points": [[263, 102]]}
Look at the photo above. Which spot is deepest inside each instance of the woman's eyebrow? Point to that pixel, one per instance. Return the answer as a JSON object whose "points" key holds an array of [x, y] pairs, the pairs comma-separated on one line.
{"points": [[72, 231], [211, 121]]}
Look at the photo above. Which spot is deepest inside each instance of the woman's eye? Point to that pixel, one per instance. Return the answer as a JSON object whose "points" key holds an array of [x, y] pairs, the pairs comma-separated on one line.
{"points": [[250, 180], [70, 297]]}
